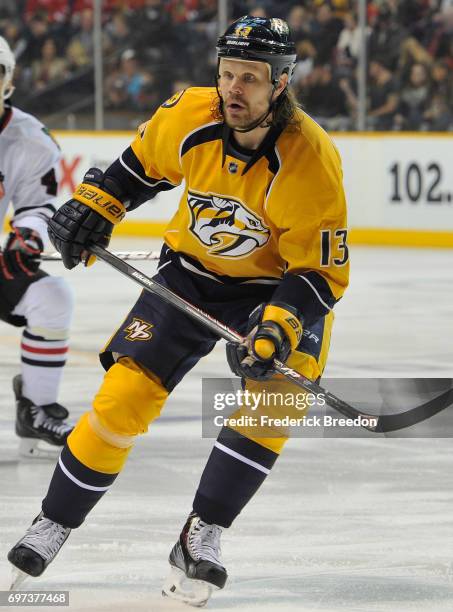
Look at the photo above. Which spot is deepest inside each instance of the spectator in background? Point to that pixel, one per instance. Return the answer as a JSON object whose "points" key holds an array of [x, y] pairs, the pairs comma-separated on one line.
{"points": [[299, 21], [306, 55], [414, 15], [386, 39], [50, 68], [119, 33], [438, 115], [414, 99], [80, 50], [35, 35], [152, 24], [445, 47], [412, 52], [440, 45], [129, 86], [155, 36], [348, 45], [14, 34], [442, 81], [324, 100], [326, 29], [383, 97]]}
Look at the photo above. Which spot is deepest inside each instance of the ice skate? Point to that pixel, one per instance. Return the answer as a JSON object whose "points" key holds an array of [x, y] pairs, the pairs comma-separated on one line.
{"points": [[39, 426], [39, 546], [196, 566]]}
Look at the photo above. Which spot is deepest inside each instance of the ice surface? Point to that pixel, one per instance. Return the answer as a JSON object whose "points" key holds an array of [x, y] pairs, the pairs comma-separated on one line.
{"points": [[355, 524]]}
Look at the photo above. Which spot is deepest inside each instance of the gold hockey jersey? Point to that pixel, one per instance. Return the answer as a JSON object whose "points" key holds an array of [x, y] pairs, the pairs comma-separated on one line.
{"points": [[276, 213]]}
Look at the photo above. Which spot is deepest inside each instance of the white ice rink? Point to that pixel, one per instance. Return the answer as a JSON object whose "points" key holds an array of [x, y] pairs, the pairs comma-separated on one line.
{"points": [[363, 525]]}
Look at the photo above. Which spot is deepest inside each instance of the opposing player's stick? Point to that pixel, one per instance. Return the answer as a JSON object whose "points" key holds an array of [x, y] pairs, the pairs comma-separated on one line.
{"points": [[125, 255], [375, 423]]}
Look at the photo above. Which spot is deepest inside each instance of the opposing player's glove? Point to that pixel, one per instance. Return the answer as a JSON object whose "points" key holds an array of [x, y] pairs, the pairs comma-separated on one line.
{"points": [[87, 218], [275, 329], [21, 255]]}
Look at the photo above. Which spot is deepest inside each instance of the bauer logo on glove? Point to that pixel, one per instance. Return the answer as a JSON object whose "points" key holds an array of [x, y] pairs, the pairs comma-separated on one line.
{"points": [[274, 330]]}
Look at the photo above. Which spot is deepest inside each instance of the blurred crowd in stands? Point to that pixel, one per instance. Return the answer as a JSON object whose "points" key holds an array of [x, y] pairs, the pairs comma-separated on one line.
{"points": [[152, 48]]}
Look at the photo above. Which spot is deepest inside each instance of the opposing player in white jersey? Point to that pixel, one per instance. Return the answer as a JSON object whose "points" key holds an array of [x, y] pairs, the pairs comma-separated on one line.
{"points": [[29, 297]]}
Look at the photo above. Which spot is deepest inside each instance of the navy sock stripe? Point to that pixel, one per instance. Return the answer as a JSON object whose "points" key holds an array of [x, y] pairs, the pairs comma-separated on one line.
{"points": [[226, 486], [30, 336], [68, 503], [84, 473], [43, 364], [247, 448]]}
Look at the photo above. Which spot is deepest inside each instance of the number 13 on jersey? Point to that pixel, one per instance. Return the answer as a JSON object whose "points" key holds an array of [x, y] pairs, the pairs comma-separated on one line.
{"points": [[334, 249]]}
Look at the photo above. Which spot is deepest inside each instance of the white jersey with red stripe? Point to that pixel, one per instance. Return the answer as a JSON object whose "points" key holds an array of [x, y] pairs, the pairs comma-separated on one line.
{"points": [[29, 170]]}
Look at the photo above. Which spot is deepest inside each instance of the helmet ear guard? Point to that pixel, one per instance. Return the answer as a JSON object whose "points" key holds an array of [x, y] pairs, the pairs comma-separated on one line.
{"points": [[7, 65]]}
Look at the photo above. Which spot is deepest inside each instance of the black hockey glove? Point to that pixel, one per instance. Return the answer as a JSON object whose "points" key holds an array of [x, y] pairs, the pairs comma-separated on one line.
{"points": [[87, 218], [274, 330], [21, 255]]}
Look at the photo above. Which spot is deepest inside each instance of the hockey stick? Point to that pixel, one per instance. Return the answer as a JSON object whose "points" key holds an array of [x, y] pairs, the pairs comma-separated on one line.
{"points": [[375, 423], [125, 255]]}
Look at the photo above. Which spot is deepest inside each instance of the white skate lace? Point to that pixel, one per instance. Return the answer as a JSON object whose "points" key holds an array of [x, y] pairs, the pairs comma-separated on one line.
{"points": [[45, 537], [203, 541], [40, 419]]}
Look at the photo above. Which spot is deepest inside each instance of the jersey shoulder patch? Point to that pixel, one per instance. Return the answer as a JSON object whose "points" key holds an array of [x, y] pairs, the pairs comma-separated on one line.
{"points": [[173, 101]]}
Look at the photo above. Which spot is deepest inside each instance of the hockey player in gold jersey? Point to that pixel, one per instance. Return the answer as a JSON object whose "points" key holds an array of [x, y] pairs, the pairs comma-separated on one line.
{"points": [[258, 240]]}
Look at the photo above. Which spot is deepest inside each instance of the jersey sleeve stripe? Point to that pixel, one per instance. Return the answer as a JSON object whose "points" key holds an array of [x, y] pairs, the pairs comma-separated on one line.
{"points": [[132, 164], [309, 293], [137, 190], [48, 209], [316, 292]]}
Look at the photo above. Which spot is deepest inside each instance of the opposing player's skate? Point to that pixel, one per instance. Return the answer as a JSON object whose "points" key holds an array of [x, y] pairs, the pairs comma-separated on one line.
{"points": [[36, 425], [39, 546], [196, 566]]}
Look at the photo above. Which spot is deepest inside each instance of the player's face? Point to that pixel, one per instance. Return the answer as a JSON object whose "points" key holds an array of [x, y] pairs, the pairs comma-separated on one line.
{"points": [[245, 88]]}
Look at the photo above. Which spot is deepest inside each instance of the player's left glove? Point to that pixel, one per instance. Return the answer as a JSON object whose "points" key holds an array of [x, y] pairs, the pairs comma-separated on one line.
{"points": [[275, 330], [21, 254]]}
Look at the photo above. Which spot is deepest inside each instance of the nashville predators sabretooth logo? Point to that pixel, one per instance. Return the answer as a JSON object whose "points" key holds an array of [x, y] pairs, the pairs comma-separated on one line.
{"points": [[138, 330], [225, 225]]}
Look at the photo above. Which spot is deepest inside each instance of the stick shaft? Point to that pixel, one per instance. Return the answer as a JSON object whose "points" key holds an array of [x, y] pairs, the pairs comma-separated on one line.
{"points": [[124, 255]]}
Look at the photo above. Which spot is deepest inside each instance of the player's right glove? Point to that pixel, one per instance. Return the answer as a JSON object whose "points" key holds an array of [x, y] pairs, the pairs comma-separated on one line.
{"points": [[275, 329], [87, 218], [21, 255]]}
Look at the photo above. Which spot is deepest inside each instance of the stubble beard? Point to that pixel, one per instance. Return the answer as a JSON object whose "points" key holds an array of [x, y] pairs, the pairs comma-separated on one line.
{"points": [[241, 123]]}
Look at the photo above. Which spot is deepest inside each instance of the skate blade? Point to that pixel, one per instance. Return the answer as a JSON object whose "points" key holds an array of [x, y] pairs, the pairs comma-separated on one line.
{"points": [[193, 592], [33, 448], [17, 578]]}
